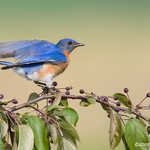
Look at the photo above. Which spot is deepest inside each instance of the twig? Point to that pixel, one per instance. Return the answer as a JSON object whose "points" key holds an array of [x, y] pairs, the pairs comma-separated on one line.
{"points": [[98, 100]]}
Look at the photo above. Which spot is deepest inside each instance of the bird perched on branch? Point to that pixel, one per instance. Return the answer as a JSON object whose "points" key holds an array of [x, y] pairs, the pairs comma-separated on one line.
{"points": [[38, 60]]}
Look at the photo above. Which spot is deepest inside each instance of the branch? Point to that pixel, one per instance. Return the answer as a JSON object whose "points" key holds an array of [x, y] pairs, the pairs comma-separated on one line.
{"points": [[44, 97], [79, 97]]}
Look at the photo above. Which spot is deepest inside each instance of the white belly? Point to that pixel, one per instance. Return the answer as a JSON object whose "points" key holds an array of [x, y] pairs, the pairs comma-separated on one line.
{"points": [[21, 73], [35, 77]]}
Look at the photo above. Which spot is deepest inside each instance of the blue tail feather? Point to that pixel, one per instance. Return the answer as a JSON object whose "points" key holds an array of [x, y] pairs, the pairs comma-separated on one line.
{"points": [[5, 63]]}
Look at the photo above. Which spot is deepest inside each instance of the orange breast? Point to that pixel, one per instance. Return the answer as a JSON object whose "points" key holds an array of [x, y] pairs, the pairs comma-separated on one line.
{"points": [[66, 53], [54, 69]]}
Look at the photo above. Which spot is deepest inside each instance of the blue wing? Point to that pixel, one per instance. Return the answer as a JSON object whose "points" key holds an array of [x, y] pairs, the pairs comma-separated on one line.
{"points": [[24, 49], [32, 52], [8, 49], [36, 49], [53, 57]]}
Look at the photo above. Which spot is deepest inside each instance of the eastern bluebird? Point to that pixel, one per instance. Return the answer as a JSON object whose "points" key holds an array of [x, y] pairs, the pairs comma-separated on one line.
{"points": [[38, 60]]}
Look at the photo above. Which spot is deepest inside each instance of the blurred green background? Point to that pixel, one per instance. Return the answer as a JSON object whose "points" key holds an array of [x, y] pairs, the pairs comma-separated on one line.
{"points": [[116, 55]]}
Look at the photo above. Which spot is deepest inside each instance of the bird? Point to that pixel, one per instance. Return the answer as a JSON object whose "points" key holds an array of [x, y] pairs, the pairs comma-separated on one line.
{"points": [[38, 60]]}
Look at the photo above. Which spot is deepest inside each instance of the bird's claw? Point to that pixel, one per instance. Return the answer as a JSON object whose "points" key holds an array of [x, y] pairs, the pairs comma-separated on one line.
{"points": [[45, 90]]}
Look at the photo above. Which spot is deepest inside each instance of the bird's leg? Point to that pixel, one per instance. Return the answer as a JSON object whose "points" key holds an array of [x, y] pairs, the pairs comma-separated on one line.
{"points": [[45, 89], [48, 86], [41, 84]]}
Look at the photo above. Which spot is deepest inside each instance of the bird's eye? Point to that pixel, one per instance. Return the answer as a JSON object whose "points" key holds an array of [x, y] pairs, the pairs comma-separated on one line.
{"points": [[70, 43]]}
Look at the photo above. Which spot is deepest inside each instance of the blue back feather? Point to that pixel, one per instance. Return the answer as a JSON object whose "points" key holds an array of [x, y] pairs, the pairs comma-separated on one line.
{"points": [[34, 51]]}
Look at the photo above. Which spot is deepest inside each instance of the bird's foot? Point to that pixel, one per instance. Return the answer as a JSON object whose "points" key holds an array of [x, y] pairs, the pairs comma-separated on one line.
{"points": [[45, 90]]}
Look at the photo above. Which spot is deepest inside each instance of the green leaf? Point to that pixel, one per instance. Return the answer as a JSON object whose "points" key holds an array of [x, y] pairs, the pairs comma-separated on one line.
{"points": [[40, 132], [14, 147], [26, 138], [60, 145], [64, 144], [70, 115], [3, 128], [33, 96], [115, 130], [106, 108], [64, 102], [69, 132], [24, 118], [68, 145], [91, 100], [142, 121], [125, 142], [53, 133], [84, 103], [148, 129], [2, 145], [53, 107], [3, 116], [123, 99], [88, 101], [136, 135]]}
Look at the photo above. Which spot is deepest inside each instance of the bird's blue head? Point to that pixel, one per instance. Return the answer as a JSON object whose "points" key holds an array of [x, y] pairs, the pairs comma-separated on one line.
{"points": [[68, 44]]}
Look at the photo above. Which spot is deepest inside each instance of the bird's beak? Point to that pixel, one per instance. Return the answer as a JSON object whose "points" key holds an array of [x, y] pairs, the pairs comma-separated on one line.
{"points": [[78, 44]]}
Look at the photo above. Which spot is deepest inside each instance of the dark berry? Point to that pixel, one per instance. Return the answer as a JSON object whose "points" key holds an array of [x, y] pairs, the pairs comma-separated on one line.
{"points": [[148, 95], [139, 106], [105, 99], [117, 109], [126, 90], [54, 83], [14, 101], [68, 88], [49, 134], [57, 90], [115, 98], [67, 93], [1, 96], [118, 103], [82, 91], [101, 97]]}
